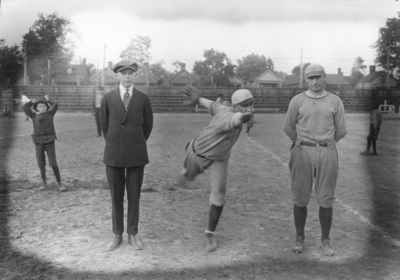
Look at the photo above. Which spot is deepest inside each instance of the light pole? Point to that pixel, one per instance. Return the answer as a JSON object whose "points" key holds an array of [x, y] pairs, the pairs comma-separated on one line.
{"points": [[104, 66]]}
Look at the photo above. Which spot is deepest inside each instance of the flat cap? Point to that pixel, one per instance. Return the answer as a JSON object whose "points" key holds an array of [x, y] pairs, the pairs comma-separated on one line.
{"points": [[125, 64], [314, 69]]}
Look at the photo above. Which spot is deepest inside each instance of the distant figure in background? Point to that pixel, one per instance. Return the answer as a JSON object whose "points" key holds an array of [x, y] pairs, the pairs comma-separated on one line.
{"points": [[42, 112], [96, 107], [24, 100], [219, 99], [375, 122]]}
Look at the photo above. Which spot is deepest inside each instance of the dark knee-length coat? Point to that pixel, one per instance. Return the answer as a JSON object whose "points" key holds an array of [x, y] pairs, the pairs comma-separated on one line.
{"points": [[126, 131]]}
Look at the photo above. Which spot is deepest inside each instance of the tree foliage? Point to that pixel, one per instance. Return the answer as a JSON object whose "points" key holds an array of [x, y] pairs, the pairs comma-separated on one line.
{"points": [[159, 71], [296, 69], [178, 66], [11, 63], [357, 71], [270, 64], [253, 63], [358, 65], [388, 44], [215, 69], [138, 50], [51, 37]]}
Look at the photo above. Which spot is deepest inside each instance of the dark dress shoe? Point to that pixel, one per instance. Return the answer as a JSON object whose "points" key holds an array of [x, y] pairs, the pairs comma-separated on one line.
{"points": [[135, 242], [115, 242]]}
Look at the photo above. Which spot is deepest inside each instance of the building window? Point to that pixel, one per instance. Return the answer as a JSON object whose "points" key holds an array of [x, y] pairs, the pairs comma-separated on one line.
{"points": [[69, 71]]}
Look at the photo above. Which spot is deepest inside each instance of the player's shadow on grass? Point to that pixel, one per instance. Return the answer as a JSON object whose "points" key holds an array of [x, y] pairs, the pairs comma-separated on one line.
{"points": [[383, 172], [17, 266]]}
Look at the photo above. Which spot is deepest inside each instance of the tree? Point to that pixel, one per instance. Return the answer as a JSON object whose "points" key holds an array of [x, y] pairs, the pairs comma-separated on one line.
{"points": [[296, 69], [215, 69], [388, 44], [358, 66], [253, 63], [178, 66], [270, 64], [159, 71], [11, 63], [51, 38], [138, 50], [358, 71]]}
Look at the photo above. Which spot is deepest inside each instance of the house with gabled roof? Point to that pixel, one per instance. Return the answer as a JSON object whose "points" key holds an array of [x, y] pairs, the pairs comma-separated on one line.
{"points": [[110, 78], [236, 81], [266, 79], [183, 78], [70, 74], [332, 81], [145, 78], [375, 79]]}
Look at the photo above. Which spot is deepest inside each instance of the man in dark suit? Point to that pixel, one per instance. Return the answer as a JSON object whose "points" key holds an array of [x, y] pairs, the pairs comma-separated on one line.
{"points": [[126, 121]]}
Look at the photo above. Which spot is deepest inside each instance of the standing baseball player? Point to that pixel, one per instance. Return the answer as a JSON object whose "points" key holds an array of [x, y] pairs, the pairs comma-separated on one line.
{"points": [[315, 122], [210, 151]]}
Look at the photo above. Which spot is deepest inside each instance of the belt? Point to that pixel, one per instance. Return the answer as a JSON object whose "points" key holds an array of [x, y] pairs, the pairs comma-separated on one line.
{"points": [[313, 144]]}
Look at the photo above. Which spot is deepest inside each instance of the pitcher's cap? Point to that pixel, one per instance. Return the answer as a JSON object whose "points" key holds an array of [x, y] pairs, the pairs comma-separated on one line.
{"points": [[242, 97], [314, 69], [125, 64]]}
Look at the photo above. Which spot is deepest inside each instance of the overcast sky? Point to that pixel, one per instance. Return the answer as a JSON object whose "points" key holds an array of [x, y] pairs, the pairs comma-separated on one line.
{"points": [[330, 32]]}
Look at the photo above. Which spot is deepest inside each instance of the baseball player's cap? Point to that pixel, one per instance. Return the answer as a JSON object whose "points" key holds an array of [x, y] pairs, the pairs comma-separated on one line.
{"points": [[125, 64], [40, 100], [242, 97], [314, 69]]}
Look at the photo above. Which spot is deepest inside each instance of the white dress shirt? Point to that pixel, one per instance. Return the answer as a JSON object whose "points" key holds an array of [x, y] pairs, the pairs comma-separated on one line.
{"points": [[122, 91]]}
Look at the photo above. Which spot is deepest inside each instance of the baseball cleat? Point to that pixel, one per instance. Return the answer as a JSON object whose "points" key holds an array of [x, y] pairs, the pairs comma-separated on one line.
{"points": [[211, 243], [326, 245], [298, 246], [365, 153]]}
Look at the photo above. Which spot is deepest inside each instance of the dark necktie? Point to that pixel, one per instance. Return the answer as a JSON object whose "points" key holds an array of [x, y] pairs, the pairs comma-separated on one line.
{"points": [[126, 99]]}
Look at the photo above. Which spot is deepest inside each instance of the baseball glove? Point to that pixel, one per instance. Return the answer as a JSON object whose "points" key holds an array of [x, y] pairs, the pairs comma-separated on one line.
{"points": [[245, 117], [191, 95]]}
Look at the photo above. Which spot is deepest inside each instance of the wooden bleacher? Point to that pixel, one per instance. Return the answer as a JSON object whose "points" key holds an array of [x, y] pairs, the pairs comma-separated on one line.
{"points": [[168, 99]]}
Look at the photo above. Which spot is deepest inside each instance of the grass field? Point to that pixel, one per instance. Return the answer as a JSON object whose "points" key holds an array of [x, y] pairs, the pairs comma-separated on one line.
{"points": [[52, 235]]}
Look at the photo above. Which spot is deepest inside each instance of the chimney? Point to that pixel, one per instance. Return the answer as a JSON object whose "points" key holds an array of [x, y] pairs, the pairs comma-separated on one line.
{"points": [[340, 71], [371, 69], [110, 64], [183, 66], [84, 61]]}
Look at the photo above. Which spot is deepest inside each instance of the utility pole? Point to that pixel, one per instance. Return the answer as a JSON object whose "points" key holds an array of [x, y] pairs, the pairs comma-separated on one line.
{"points": [[97, 76], [25, 65], [301, 68], [48, 72], [104, 66]]}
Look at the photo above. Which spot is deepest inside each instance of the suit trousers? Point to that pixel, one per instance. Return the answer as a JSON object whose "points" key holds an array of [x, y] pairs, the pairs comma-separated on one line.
{"points": [[118, 178]]}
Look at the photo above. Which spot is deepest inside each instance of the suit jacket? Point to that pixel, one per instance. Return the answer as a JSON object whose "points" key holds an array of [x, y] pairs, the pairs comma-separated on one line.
{"points": [[126, 132]]}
